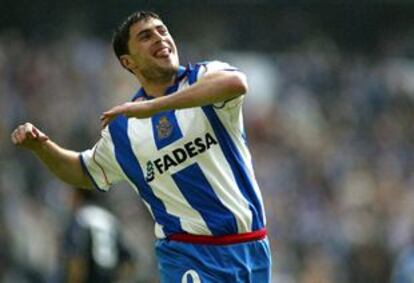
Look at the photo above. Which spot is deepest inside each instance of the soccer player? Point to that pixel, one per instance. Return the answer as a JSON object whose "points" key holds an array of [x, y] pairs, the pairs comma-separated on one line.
{"points": [[180, 144], [93, 249]]}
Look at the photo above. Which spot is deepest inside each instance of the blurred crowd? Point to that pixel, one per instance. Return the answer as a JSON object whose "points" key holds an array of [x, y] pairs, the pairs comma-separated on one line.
{"points": [[332, 144]]}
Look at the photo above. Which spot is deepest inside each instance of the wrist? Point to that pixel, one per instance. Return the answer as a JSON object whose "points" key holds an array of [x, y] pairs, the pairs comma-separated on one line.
{"points": [[40, 147]]}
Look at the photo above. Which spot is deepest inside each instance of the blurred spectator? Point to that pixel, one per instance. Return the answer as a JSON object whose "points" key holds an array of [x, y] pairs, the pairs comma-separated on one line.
{"points": [[93, 248]]}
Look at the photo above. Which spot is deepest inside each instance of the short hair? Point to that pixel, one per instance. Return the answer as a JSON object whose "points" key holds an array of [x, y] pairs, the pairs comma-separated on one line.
{"points": [[121, 35]]}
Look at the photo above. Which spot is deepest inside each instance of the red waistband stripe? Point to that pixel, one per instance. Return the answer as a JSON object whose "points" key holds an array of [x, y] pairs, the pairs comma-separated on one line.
{"points": [[219, 240]]}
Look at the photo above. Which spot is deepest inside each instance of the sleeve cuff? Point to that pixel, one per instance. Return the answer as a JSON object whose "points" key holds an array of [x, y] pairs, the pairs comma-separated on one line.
{"points": [[85, 169]]}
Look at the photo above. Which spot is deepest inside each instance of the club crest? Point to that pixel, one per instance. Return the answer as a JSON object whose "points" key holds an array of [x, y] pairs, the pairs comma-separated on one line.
{"points": [[164, 128]]}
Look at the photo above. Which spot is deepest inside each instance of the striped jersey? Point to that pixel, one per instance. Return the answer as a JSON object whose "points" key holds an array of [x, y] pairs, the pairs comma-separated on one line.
{"points": [[191, 167]]}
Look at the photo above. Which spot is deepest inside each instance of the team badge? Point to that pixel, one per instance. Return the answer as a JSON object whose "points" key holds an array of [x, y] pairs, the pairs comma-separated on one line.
{"points": [[164, 128]]}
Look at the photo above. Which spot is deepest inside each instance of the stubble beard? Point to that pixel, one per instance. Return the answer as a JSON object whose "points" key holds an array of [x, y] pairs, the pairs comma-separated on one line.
{"points": [[159, 74]]}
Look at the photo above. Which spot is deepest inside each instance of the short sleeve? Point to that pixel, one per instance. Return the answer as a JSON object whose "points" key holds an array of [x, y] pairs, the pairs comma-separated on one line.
{"points": [[216, 66], [100, 163]]}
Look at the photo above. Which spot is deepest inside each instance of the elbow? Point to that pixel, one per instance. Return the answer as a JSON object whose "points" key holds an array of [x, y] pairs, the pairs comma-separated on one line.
{"points": [[239, 83]]}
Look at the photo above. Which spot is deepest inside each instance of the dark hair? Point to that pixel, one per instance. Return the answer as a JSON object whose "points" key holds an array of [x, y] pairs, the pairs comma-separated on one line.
{"points": [[121, 35]]}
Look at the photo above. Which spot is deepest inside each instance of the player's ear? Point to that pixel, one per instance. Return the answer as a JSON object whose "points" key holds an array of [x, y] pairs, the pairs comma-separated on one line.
{"points": [[127, 62]]}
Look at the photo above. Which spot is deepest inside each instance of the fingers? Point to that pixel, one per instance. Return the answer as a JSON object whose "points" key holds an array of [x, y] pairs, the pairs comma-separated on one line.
{"points": [[13, 138], [138, 110], [117, 110], [111, 114], [39, 135], [27, 133], [105, 120], [20, 135]]}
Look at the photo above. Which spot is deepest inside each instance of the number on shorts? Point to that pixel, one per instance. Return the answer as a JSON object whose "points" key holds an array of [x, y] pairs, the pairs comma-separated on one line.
{"points": [[190, 274]]}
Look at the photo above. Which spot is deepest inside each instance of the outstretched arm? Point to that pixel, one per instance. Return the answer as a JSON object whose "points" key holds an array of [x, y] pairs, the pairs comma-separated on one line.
{"points": [[65, 164], [213, 88]]}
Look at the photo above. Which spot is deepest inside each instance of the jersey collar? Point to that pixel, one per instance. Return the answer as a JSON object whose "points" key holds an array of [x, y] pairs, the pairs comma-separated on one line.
{"points": [[181, 73]]}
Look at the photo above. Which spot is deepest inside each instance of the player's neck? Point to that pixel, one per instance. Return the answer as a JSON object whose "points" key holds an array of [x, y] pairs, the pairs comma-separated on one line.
{"points": [[156, 88]]}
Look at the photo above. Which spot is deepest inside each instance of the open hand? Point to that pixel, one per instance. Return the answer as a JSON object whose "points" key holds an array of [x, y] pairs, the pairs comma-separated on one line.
{"points": [[28, 136], [140, 110]]}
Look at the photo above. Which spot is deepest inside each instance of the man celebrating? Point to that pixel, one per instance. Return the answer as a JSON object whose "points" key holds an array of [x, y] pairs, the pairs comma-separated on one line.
{"points": [[180, 144]]}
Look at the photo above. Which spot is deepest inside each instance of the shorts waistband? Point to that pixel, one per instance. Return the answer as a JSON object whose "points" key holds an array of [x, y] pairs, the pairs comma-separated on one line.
{"points": [[219, 240]]}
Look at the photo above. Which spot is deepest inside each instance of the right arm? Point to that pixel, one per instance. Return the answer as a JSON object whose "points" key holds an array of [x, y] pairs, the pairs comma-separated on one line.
{"points": [[63, 163]]}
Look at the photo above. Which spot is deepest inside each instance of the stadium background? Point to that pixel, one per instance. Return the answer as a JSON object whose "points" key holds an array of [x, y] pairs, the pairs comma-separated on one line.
{"points": [[329, 120]]}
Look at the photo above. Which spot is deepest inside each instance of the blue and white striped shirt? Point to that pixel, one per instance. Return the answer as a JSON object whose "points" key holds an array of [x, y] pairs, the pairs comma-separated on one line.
{"points": [[191, 166]]}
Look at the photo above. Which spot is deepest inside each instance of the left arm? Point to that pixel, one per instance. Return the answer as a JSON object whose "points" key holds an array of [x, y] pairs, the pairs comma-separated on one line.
{"points": [[212, 88]]}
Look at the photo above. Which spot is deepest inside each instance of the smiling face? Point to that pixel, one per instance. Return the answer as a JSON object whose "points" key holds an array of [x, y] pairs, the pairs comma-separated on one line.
{"points": [[152, 51]]}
